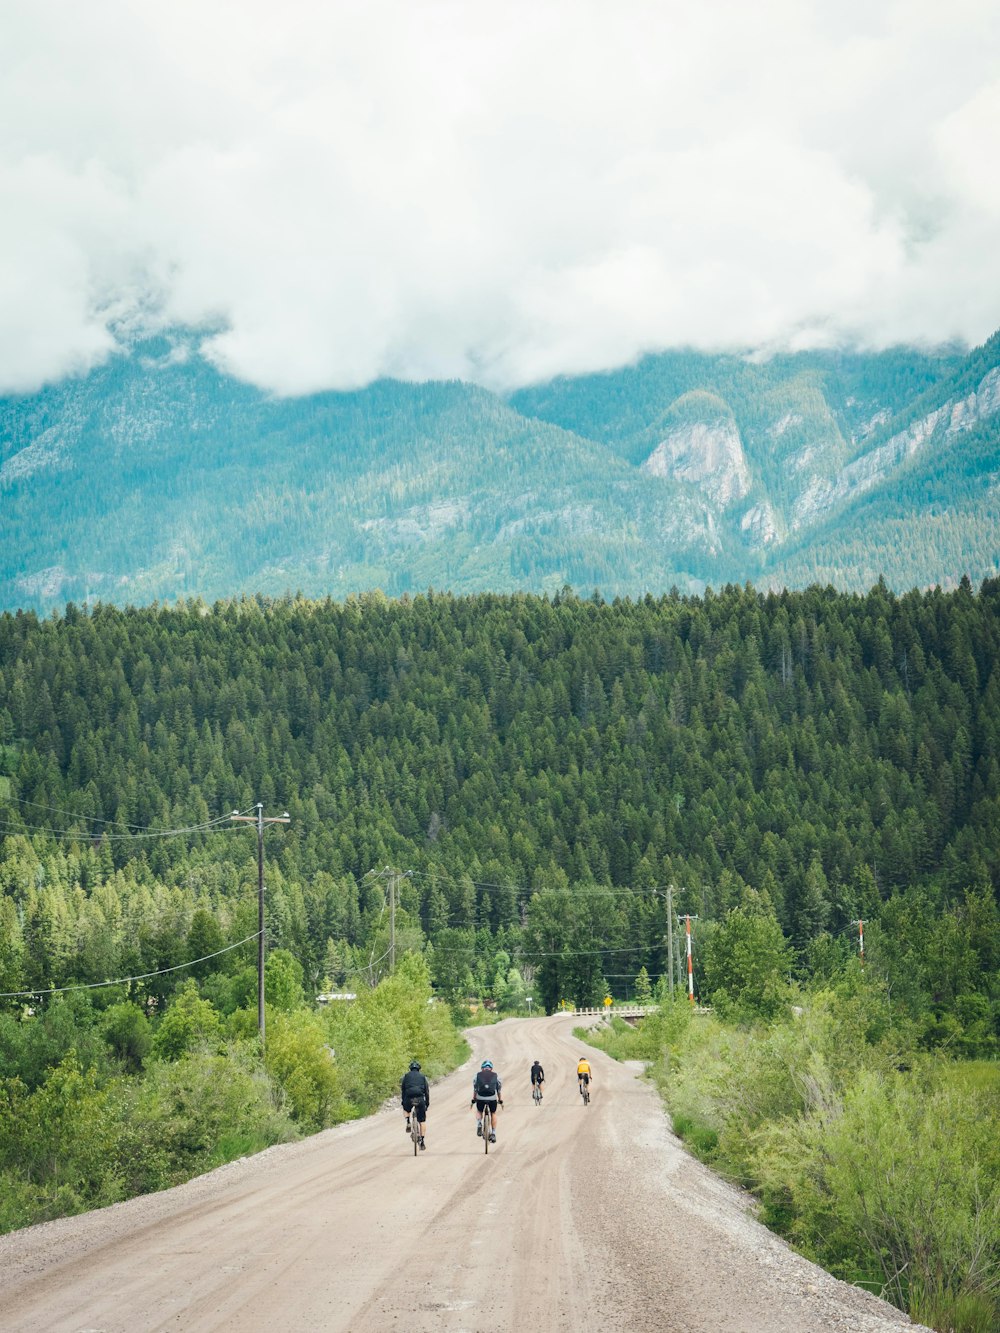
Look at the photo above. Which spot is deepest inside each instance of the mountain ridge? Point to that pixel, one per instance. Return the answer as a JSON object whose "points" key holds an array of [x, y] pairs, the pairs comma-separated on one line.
{"points": [[156, 476]]}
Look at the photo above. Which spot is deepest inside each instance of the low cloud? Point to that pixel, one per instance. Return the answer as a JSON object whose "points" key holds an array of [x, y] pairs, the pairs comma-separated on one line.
{"points": [[505, 194]]}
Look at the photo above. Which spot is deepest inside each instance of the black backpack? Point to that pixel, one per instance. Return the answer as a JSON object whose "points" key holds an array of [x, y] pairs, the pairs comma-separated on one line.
{"points": [[414, 1084], [486, 1083]]}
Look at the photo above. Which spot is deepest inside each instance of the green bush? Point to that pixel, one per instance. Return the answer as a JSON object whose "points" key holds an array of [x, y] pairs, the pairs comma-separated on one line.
{"points": [[55, 1144], [26, 1202], [283, 975], [723, 1083], [194, 1113], [650, 1037], [880, 1165], [745, 962], [189, 1022], [898, 1173], [31, 1048], [378, 1034], [82, 1137], [302, 1064], [126, 1030]]}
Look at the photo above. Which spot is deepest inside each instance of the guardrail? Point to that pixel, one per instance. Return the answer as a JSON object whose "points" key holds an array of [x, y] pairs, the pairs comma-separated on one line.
{"points": [[629, 1010], [619, 1010]]}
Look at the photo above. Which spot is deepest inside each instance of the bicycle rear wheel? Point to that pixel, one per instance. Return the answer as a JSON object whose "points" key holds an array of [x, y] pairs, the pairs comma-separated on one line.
{"points": [[487, 1129], [415, 1128]]}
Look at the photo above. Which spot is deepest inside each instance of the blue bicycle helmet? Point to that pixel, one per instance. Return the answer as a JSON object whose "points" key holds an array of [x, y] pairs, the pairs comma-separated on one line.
{"points": [[487, 1064]]}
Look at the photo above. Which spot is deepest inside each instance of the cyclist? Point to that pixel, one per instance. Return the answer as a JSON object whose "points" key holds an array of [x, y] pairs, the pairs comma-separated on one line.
{"points": [[486, 1092], [537, 1077], [416, 1095], [584, 1074]]}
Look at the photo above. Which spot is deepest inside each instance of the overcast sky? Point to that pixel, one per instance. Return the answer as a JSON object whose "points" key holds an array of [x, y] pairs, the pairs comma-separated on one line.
{"points": [[498, 192]]}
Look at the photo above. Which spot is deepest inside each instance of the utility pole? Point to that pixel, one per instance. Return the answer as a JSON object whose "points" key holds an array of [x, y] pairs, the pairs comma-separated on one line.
{"points": [[392, 923], [395, 879], [675, 961], [260, 821], [670, 937], [861, 940], [688, 918]]}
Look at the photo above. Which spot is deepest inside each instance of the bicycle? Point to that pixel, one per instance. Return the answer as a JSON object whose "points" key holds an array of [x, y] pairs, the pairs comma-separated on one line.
{"points": [[487, 1128], [586, 1092], [536, 1093], [415, 1125]]}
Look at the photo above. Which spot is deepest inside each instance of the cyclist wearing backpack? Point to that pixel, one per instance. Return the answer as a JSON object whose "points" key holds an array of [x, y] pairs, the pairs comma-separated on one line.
{"points": [[416, 1095], [486, 1092], [537, 1077]]}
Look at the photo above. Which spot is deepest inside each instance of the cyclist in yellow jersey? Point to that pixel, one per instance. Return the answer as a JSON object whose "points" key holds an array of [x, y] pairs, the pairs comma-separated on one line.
{"points": [[584, 1074]]}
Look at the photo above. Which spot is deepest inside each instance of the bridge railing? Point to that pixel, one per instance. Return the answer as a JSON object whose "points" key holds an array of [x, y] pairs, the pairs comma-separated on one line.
{"points": [[621, 1010], [628, 1010]]}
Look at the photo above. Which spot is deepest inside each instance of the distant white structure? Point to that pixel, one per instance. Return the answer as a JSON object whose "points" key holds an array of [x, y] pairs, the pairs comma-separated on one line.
{"points": [[329, 996]]}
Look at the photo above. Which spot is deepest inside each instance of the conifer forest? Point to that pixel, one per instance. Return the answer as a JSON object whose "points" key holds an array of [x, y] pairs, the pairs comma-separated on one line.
{"points": [[488, 799]]}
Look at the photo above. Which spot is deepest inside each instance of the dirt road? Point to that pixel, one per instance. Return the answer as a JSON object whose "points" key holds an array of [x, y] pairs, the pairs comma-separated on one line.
{"points": [[580, 1217]]}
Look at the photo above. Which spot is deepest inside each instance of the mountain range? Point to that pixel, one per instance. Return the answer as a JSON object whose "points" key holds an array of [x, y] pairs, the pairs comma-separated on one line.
{"points": [[156, 476]]}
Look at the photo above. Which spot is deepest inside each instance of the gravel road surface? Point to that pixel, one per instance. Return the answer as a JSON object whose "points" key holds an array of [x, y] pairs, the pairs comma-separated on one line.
{"points": [[579, 1217]]}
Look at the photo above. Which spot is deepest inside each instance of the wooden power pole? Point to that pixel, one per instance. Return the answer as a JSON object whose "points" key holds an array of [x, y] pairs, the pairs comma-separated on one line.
{"points": [[260, 821], [670, 937], [392, 923]]}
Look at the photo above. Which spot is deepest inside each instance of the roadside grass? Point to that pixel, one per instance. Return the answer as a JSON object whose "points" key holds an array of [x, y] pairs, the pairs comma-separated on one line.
{"points": [[467, 1017], [231, 1147], [879, 1163], [647, 1040], [974, 1076]]}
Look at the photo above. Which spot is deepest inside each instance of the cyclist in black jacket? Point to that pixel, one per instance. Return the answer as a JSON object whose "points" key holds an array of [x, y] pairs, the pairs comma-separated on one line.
{"points": [[416, 1094], [537, 1076]]}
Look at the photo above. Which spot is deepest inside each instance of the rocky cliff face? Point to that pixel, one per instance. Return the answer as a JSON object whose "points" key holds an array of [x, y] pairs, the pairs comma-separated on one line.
{"points": [[759, 525], [948, 420], [706, 454]]}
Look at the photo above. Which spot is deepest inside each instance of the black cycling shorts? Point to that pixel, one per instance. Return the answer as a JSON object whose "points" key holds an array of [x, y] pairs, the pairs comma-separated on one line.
{"points": [[483, 1102], [418, 1103], [585, 1077]]}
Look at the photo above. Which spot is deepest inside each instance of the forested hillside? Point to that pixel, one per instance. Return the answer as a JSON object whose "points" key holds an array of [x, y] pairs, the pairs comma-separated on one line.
{"points": [[539, 769], [156, 476]]}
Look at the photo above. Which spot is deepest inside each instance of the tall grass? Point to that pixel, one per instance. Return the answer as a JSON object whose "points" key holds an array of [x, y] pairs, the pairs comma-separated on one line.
{"points": [[879, 1165]]}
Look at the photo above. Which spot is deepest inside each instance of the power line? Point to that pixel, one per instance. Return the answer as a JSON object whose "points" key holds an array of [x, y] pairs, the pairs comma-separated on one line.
{"points": [[121, 981], [219, 825], [76, 814], [527, 954], [583, 891], [625, 976]]}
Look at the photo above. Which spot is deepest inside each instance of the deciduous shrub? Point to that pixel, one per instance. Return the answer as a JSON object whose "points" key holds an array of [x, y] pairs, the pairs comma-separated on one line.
{"points": [[379, 1033], [896, 1177], [881, 1164], [193, 1113]]}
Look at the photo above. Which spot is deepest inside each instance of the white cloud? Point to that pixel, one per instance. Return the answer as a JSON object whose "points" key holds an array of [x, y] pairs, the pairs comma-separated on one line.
{"points": [[499, 193]]}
